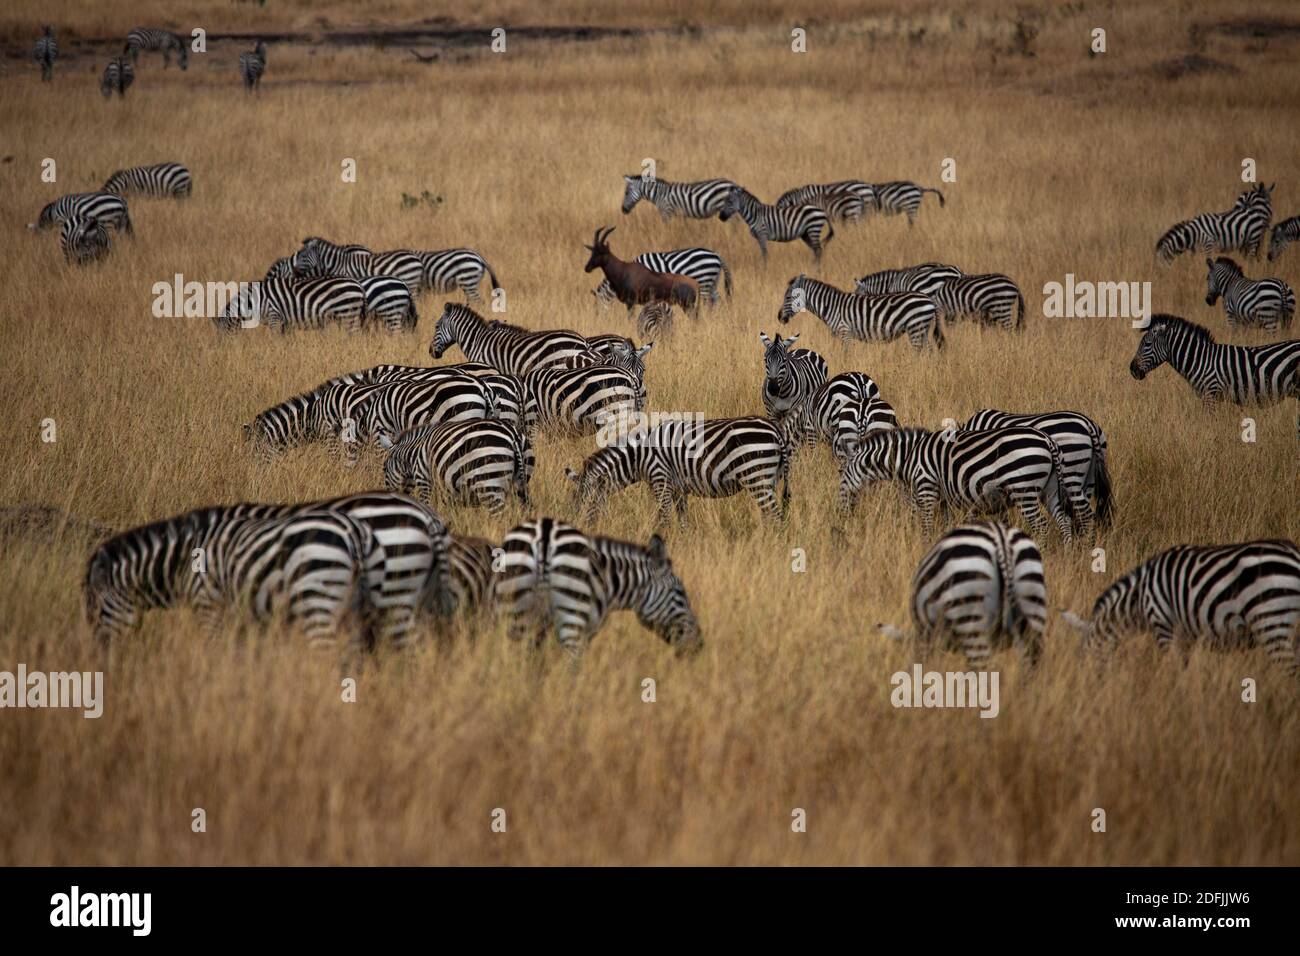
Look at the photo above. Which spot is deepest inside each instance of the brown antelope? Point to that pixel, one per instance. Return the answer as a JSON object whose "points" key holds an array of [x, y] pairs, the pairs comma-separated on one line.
{"points": [[634, 284]]}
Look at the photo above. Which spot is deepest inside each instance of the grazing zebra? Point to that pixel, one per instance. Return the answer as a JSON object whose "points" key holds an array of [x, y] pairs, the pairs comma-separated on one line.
{"points": [[1083, 457], [991, 298], [655, 321], [1227, 596], [579, 401], [1265, 302], [83, 240], [508, 348], [388, 300], [779, 223], [843, 412], [46, 52], [846, 201], [713, 458], [109, 209], [161, 179], [697, 200], [151, 39], [981, 586], [925, 279], [117, 77], [879, 318], [252, 65], [390, 408], [447, 269], [1240, 229], [788, 377], [703, 265], [988, 470], [168, 563], [475, 462], [902, 197], [1286, 231], [296, 304], [1241, 374], [641, 579]]}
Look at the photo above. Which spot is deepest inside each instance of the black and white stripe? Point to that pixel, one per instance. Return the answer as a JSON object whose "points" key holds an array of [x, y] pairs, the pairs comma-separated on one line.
{"points": [[470, 563], [1240, 229], [712, 458], [508, 348], [655, 321], [925, 279], [879, 318], [1286, 231], [388, 302], [117, 77], [46, 52], [789, 377], [987, 470], [447, 269], [473, 462], [980, 587], [843, 413], [320, 257], [845, 201], [390, 408], [83, 240], [579, 401], [291, 304], [161, 179], [904, 197], [252, 64], [109, 209], [1265, 302], [152, 39], [703, 265], [991, 298], [779, 223], [641, 579], [698, 200]]}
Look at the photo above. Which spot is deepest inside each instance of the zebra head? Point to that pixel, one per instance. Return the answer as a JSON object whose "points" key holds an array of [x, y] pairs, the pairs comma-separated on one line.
{"points": [[1223, 271], [603, 473], [633, 192], [795, 301], [1277, 240], [666, 608], [307, 261], [1119, 609], [777, 367], [730, 205], [447, 332], [1153, 350]]}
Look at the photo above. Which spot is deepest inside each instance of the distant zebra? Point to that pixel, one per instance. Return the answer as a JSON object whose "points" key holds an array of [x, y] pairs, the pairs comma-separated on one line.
{"points": [[925, 279], [902, 197], [1083, 457], [46, 52], [579, 401], [83, 240], [879, 318], [655, 321], [548, 580], [448, 269], [703, 265], [509, 348], [117, 77], [391, 408], [641, 579], [779, 223], [1241, 374], [1265, 302], [1240, 229], [992, 298], [151, 38], [981, 586], [788, 377], [1286, 231], [388, 301], [470, 563], [252, 65], [712, 458], [843, 413], [698, 200], [477, 462], [1225, 596], [846, 201], [162, 179], [296, 304], [988, 470], [109, 209]]}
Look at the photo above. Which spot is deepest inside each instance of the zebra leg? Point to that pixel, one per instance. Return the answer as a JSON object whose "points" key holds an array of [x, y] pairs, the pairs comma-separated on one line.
{"points": [[1279, 643], [1027, 503], [925, 499], [1081, 507], [978, 647], [762, 247], [471, 290], [765, 497], [494, 499]]}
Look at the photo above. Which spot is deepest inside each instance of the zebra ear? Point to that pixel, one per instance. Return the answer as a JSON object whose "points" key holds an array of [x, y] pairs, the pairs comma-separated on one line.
{"points": [[645, 349], [247, 430], [765, 340], [791, 340], [658, 551]]}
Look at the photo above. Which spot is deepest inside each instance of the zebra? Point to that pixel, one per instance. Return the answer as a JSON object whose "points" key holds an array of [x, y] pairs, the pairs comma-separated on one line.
{"points": [[580, 400], [400, 264], [470, 562], [926, 279], [107, 208], [508, 348], [879, 318], [845, 201], [1266, 302], [161, 179], [698, 200], [1240, 229], [655, 321], [789, 377], [1288, 230], [779, 223], [447, 269], [1226, 596], [991, 298], [1083, 457], [117, 77], [296, 304], [152, 38], [390, 408], [1241, 374], [616, 350], [320, 257], [46, 52], [843, 412], [713, 458], [83, 240], [156, 565], [476, 462], [641, 579], [388, 300], [703, 265], [990, 470], [903, 197], [252, 65], [981, 585]]}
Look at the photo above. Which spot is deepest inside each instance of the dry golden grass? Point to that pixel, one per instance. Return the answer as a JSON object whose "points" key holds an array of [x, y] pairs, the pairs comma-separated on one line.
{"points": [[1065, 164]]}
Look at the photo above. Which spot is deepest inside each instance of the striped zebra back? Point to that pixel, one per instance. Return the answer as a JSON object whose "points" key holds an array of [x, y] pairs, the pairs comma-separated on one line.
{"points": [[162, 179], [579, 400]]}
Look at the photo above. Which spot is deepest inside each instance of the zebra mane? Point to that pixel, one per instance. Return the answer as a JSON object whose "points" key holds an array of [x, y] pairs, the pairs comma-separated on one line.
{"points": [[508, 326], [1177, 323], [1229, 262]]}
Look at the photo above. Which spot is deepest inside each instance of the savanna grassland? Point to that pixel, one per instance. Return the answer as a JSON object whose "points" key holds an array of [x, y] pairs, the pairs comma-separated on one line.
{"points": [[1065, 163]]}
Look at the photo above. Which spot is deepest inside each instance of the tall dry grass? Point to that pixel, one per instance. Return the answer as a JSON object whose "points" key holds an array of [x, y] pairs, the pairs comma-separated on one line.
{"points": [[1065, 164]]}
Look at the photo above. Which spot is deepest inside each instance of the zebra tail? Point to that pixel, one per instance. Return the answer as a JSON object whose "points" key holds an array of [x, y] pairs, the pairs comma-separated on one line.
{"points": [[126, 223], [1011, 615], [726, 279], [1058, 471], [1020, 310], [492, 276], [1105, 497], [787, 456], [1288, 308], [938, 332], [937, 193]]}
